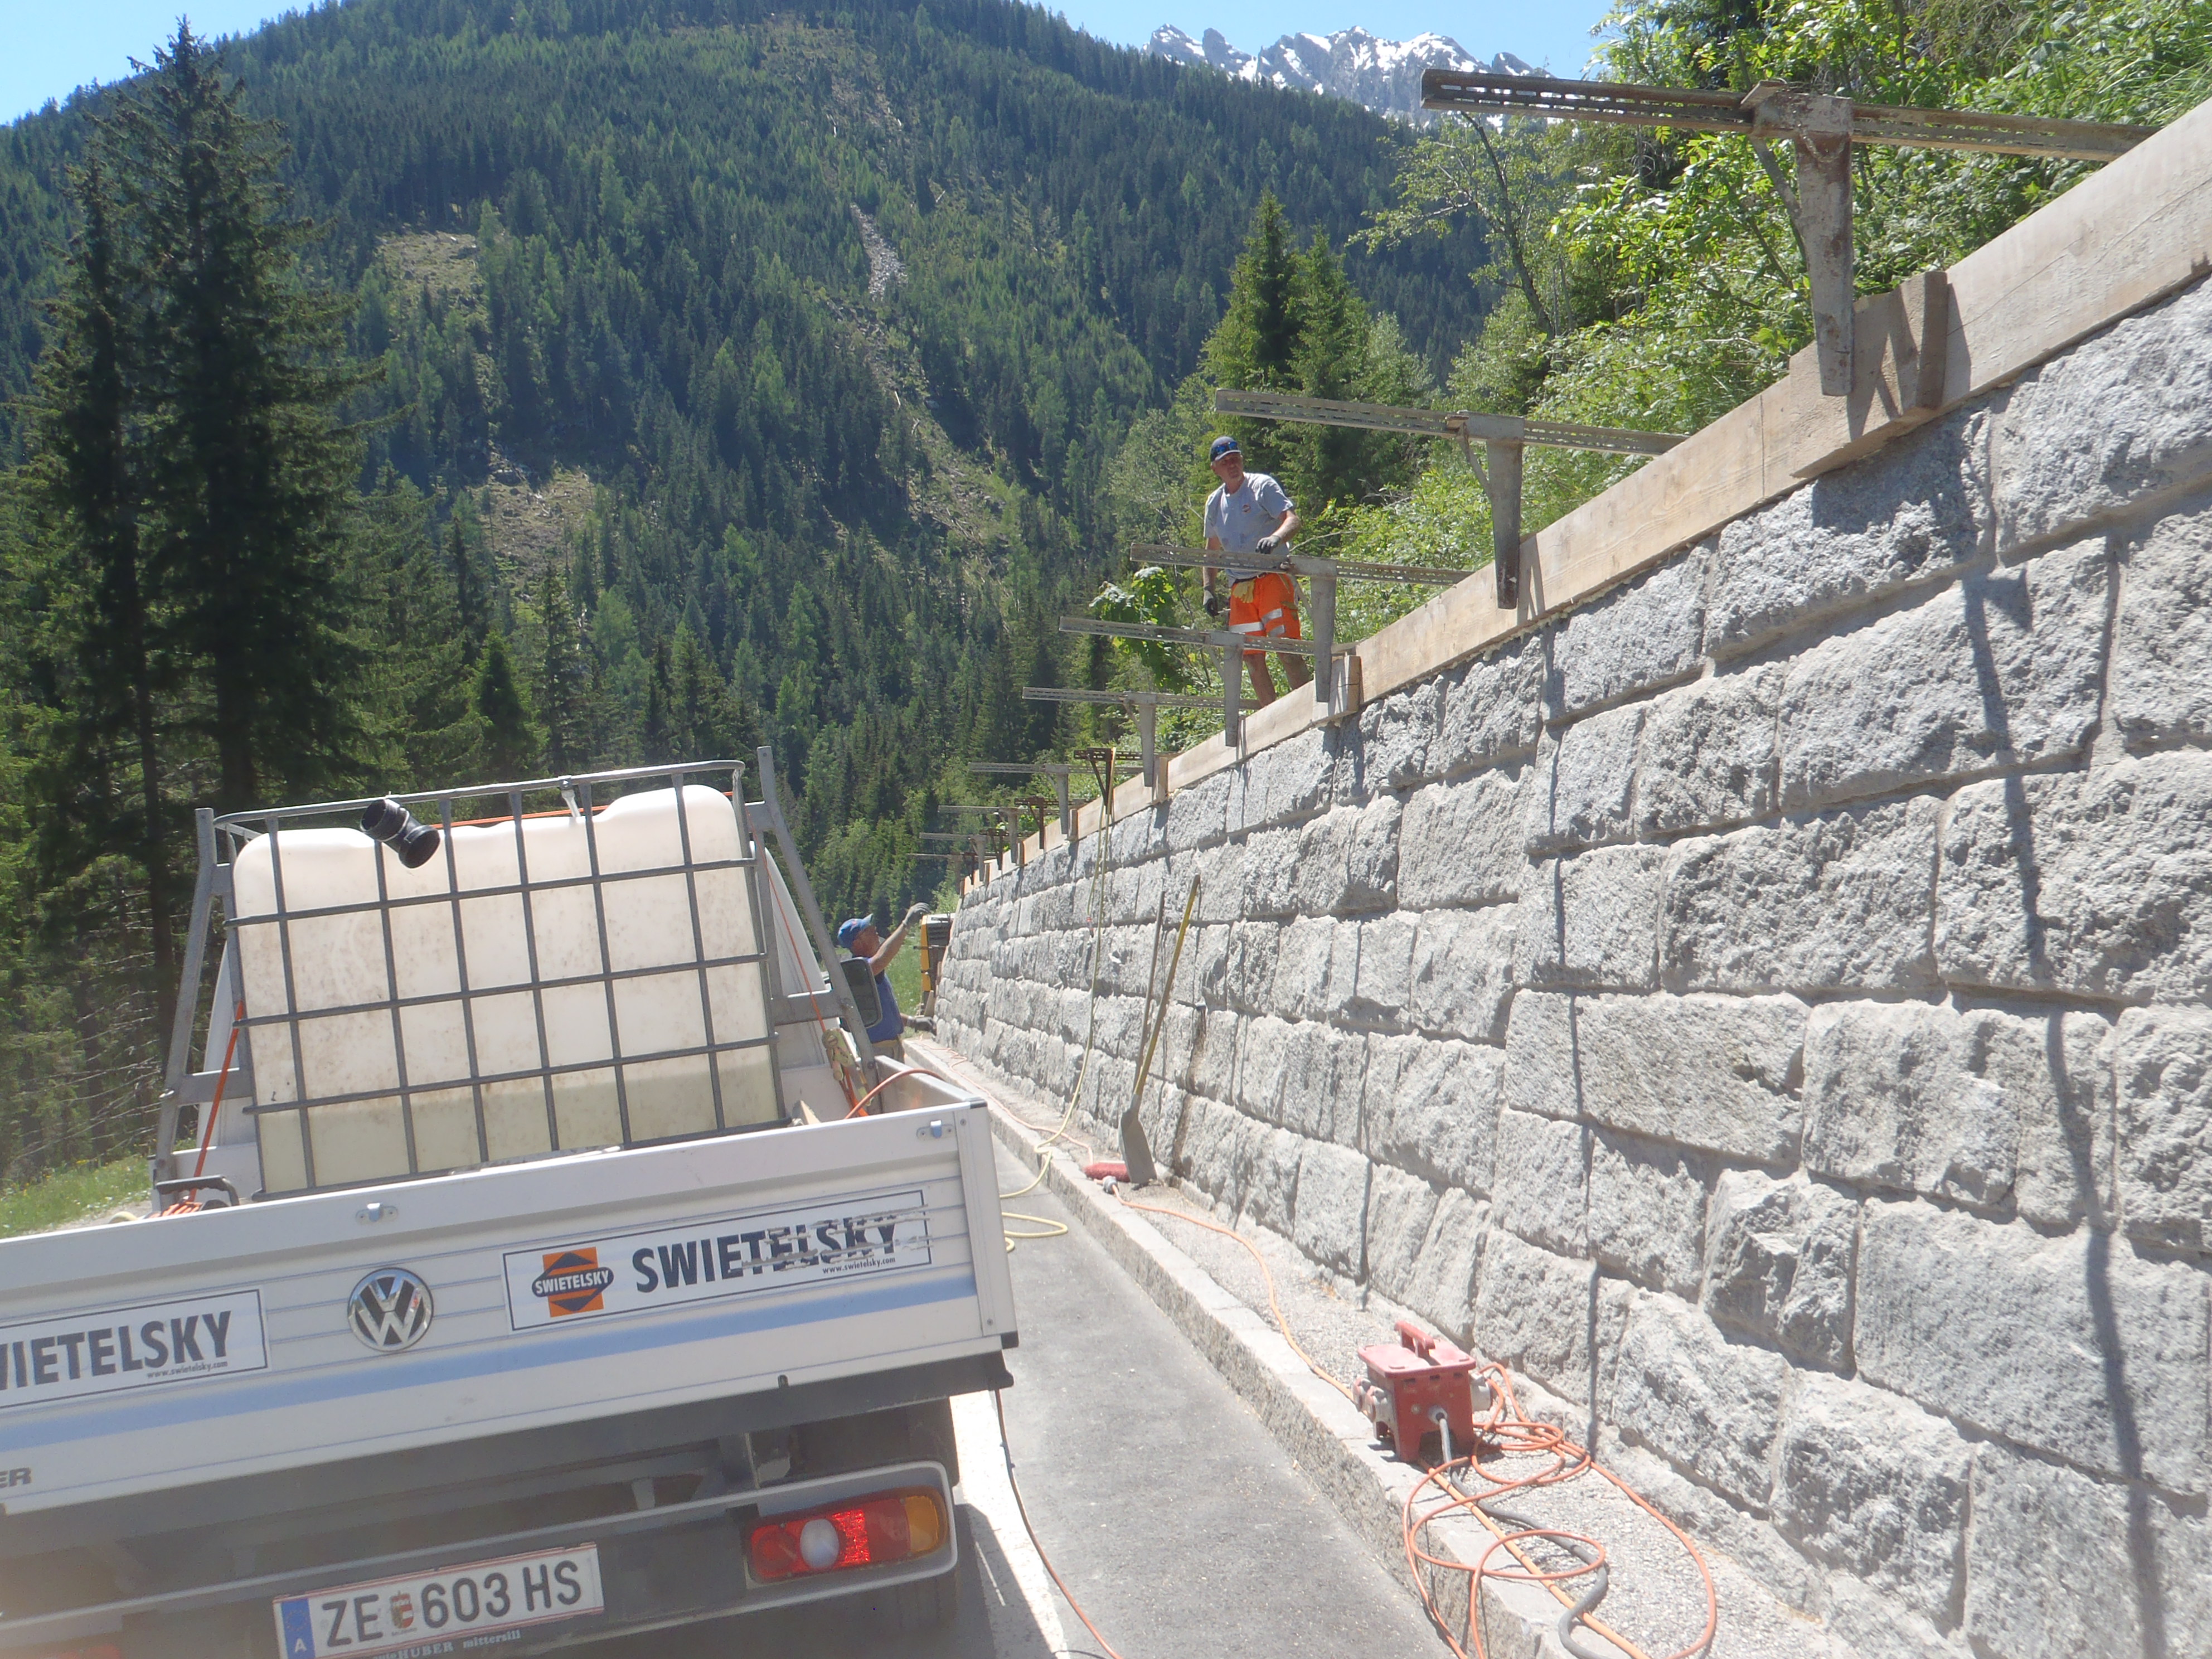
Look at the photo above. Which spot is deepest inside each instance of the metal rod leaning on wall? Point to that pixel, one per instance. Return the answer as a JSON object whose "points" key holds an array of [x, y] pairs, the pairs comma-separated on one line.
{"points": [[1136, 1151], [1502, 436]]}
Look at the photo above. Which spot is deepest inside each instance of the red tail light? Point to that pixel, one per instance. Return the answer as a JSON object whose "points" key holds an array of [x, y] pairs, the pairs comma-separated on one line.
{"points": [[873, 1531]]}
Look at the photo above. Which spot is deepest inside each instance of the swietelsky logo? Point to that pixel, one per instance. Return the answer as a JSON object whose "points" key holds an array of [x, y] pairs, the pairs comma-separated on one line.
{"points": [[573, 1282]]}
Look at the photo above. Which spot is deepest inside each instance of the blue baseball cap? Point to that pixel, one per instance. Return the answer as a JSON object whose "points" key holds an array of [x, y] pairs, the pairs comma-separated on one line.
{"points": [[851, 929], [1224, 445]]}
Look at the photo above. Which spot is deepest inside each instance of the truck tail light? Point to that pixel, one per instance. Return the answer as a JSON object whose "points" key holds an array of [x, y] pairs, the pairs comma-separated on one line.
{"points": [[870, 1532]]}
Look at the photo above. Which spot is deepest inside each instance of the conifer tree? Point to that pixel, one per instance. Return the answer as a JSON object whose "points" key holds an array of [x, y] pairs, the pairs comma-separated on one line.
{"points": [[250, 467], [563, 679], [98, 784], [510, 737]]}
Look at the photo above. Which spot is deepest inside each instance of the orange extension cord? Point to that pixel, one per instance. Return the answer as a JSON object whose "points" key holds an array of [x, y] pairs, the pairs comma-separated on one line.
{"points": [[1506, 1429]]}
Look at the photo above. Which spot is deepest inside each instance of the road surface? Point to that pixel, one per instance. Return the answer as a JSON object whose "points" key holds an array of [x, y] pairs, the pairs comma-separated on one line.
{"points": [[1181, 1525]]}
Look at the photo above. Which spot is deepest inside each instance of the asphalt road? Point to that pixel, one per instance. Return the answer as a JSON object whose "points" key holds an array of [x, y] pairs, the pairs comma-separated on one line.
{"points": [[1181, 1525]]}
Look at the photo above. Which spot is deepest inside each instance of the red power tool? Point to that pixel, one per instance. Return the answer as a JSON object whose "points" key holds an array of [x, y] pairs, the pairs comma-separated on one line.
{"points": [[1408, 1380]]}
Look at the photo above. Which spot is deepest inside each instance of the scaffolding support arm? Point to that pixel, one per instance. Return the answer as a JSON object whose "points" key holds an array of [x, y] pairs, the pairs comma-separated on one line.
{"points": [[769, 808]]}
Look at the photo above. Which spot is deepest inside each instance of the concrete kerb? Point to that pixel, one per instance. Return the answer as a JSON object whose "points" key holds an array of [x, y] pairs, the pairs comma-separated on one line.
{"points": [[1330, 1441]]}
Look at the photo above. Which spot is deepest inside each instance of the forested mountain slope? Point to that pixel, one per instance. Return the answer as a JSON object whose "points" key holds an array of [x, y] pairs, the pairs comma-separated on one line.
{"points": [[748, 375]]}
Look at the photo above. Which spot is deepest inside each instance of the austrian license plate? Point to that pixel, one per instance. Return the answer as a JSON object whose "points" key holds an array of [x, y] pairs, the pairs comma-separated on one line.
{"points": [[448, 1611]]}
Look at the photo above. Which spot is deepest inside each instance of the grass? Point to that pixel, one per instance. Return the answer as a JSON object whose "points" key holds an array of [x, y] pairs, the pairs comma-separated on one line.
{"points": [[75, 1194], [905, 972]]}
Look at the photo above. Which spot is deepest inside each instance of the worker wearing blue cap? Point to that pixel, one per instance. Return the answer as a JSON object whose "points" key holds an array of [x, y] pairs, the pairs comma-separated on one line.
{"points": [[1251, 514], [858, 935]]}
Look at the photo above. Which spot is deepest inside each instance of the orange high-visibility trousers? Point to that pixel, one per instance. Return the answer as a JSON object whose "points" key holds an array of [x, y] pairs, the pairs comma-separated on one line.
{"points": [[1267, 605]]}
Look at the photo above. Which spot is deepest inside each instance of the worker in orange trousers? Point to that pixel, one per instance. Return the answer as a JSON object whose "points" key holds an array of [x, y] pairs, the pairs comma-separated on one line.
{"points": [[1250, 513]]}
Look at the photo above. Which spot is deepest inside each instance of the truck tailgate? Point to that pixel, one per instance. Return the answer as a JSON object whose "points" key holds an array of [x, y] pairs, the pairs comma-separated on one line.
{"points": [[239, 1341]]}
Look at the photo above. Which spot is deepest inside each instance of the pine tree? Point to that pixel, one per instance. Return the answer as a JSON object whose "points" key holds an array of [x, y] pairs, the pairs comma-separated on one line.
{"points": [[98, 781], [1256, 346], [511, 743], [250, 467], [471, 600], [563, 679]]}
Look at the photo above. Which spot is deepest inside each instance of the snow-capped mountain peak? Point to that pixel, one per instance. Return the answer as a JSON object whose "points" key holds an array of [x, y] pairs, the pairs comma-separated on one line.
{"points": [[1383, 74]]}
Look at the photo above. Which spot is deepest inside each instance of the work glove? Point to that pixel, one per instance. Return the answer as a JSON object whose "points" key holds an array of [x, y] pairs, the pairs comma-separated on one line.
{"points": [[915, 913], [1266, 544], [1213, 603]]}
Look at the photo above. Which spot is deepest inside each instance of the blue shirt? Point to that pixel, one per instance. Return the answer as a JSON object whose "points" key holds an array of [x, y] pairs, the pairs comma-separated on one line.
{"points": [[1239, 521], [893, 1022]]}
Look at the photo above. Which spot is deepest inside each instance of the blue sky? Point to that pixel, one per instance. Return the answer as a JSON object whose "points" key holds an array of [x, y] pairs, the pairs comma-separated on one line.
{"points": [[56, 45]]}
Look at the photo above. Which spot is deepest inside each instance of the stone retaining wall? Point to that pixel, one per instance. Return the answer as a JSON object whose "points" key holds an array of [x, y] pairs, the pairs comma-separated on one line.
{"points": [[1770, 1007]]}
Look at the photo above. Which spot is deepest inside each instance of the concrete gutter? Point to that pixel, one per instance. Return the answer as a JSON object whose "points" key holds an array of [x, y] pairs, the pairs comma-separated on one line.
{"points": [[1332, 1443]]}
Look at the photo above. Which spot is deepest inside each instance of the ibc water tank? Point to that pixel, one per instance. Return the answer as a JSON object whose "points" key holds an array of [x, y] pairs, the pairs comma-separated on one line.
{"points": [[575, 1029]]}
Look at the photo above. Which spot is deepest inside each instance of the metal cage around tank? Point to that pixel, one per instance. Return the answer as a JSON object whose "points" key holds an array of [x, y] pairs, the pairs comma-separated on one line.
{"points": [[584, 797]]}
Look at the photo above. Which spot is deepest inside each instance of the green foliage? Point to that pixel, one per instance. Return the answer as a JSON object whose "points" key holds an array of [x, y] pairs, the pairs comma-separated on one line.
{"points": [[1652, 279], [79, 1195], [846, 342], [1154, 597]]}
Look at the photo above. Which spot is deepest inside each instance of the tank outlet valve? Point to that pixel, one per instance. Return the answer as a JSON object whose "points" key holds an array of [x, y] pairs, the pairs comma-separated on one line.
{"points": [[387, 821]]}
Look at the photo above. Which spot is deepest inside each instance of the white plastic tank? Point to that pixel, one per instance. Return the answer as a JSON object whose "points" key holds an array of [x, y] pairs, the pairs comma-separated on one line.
{"points": [[339, 962]]}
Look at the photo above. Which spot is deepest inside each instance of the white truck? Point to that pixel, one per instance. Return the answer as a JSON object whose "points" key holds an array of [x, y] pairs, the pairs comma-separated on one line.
{"points": [[527, 1275]]}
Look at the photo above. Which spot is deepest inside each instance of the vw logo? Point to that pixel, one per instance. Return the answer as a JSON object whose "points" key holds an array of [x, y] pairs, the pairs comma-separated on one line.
{"points": [[389, 1310]]}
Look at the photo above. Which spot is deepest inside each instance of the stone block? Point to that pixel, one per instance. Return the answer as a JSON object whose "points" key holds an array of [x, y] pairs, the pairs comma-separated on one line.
{"points": [[1583, 789], [1400, 1207], [1710, 1072], [1220, 884], [2075, 1346], [1542, 1182], [1441, 1286], [1255, 949], [1836, 900], [1397, 735], [1381, 985], [1493, 709], [2161, 674], [1215, 1154], [1272, 873], [1431, 1108], [1329, 1222], [1591, 921], [2165, 1080], [1460, 843], [1976, 1107], [1647, 1211], [1462, 973], [1198, 1052], [1647, 633], [2060, 1566], [1303, 952], [1778, 1263], [2096, 883], [1196, 815], [1319, 875], [1533, 1311], [1708, 1406], [1371, 857], [1708, 754], [2110, 425], [1915, 510], [2005, 669], [1873, 1624], [1872, 1484], [1286, 783], [1268, 1195]]}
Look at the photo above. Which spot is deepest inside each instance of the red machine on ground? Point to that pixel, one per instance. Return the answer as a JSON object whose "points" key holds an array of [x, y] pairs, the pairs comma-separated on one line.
{"points": [[1408, 1381]]}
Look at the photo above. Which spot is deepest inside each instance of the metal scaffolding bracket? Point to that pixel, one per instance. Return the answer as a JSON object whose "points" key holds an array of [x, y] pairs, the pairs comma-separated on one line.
{"points": [[1821, 130], [1232, 648], [1502, 438], [1057, 772], [1147, 704]]}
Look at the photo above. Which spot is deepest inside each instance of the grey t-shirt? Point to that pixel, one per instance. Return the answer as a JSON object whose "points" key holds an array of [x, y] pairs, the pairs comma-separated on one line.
{"points": [[1242, 519]]}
